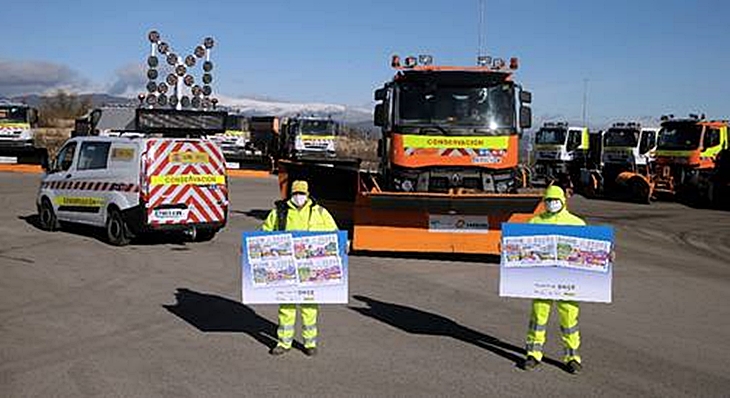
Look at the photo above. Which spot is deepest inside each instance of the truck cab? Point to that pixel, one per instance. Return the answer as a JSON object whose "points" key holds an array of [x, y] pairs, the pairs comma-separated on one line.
{"points": [[310, 137], [686, 153], [17, 124], [561, 151], [447, 128], [235, 138], [628, 147]]}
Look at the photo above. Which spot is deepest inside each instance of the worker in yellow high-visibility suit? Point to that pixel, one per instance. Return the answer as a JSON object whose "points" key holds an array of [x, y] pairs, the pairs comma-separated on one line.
{"points": [[299, 213], [555, 213]]}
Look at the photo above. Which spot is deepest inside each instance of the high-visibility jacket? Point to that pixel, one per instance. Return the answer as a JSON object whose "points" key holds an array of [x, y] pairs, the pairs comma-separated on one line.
{"points": [[311, 217], [563, 217]]}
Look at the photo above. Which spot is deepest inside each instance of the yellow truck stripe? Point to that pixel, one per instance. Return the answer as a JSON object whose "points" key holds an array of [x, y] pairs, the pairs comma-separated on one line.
{"points": [[445, 142], [188, 179]]}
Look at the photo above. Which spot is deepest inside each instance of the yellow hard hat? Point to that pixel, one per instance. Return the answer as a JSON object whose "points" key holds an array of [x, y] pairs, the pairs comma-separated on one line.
{"points": [[555, 192], [300, 186]]}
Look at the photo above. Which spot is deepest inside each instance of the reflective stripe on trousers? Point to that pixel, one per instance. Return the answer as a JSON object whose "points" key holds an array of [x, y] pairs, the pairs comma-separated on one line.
{"points": [[287, 320], [536, 334]]}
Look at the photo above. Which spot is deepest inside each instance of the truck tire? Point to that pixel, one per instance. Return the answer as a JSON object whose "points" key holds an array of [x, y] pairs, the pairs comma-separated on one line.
{"points": [[640, 191], [117, 231], [46, 216]]}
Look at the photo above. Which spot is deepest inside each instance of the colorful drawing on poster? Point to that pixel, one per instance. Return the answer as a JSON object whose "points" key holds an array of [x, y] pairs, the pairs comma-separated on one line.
{"points": [[584, 254], [529, 251], [320, 272], [274, 273], [269, 247], [312, 247]]}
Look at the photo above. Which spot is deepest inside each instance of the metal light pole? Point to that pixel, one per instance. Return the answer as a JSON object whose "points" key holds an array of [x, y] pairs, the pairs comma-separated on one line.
{"points": [[585, 101]]}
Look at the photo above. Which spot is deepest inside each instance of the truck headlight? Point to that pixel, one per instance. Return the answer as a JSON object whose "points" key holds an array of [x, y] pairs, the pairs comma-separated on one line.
{"points": [[407, 185]]}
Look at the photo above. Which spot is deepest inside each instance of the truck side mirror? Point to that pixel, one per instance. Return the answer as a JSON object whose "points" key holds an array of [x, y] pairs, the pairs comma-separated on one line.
{"points": [[45, 163], [525, 117], [525, 97], [379, 115], [380, 94], [33, 116], [94, 119], [381, 148]]}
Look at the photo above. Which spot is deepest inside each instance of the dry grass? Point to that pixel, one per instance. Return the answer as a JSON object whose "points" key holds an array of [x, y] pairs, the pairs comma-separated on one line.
{"points": [[51, 138], [351, 147]]}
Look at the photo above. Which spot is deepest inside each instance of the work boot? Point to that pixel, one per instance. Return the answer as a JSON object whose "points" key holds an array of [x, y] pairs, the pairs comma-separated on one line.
{"points": [[530, 363], [573, 367], [310, 352], [279, 350]]}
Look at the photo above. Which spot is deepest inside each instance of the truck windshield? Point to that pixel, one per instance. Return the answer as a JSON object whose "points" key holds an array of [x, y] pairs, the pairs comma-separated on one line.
{"points": [[550, 136], [13, 114], [621, 138], [317, 127], [456, 107], [234, 122], [680, 136]]}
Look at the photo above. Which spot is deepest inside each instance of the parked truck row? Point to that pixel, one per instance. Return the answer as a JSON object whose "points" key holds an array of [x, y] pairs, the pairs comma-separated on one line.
{"points": [[677, 159]]}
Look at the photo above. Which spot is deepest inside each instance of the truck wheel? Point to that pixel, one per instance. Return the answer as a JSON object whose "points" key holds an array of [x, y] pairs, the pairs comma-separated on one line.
{"points": [[641, 192], [46, 216], [117, 231]]}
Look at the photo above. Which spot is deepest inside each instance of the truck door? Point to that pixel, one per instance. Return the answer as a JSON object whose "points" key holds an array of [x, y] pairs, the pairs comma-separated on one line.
{"points": [[647, 145]]}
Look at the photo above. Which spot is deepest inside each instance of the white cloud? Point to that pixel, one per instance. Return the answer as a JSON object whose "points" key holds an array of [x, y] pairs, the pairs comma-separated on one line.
{"points": [[38, 77], [129, 81]]}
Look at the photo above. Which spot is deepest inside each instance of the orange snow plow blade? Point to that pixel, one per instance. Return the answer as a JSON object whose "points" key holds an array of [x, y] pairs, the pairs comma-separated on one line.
{"points": [[439, 223]]}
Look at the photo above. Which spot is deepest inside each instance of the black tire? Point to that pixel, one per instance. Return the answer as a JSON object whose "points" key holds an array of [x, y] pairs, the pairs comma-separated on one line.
{"points": [[117, 231], [641, 192], [205, 234], [46, 216]]}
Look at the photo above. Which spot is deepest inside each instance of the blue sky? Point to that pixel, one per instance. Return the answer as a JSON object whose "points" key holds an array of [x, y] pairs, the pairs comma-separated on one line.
{"points": [[641, 57]]}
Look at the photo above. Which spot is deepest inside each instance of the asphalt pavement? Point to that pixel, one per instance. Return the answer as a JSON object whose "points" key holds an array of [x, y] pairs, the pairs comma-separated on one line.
{"points": [[163, 318]]}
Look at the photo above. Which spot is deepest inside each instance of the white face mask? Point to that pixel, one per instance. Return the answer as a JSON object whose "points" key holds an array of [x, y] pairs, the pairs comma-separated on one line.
{"points": [[553, 205], [299, 199]]}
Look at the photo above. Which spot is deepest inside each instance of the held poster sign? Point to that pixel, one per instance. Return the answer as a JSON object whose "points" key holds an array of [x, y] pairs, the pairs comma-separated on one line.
{"points": [[294, 267], [556, 262]]}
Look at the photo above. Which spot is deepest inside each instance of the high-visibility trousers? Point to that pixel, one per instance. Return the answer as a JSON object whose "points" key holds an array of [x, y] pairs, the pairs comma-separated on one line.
{"points": [[287, 320], [536, 334]]}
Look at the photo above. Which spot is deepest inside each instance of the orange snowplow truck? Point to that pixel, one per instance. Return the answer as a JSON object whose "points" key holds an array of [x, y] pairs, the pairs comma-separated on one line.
{"points": [[451, 129], [686, 155], [449, 173]]}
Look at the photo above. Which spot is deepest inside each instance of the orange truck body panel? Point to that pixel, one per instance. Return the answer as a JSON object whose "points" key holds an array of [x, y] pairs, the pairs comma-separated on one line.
{"points": [[399, 229], [466, 156]]}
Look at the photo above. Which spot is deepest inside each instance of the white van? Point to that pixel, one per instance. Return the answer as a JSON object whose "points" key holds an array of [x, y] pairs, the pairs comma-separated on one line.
{"points": [[132, 185]]}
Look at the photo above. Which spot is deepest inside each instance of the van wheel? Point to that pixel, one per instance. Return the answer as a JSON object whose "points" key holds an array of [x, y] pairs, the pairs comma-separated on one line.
{"points": [[205, 234], [46, 216], [117, 231]]}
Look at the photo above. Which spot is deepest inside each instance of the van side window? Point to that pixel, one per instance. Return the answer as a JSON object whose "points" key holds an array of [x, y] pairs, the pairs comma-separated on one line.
{"points": [[93, 155], [712, 138], [66, 157]]}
